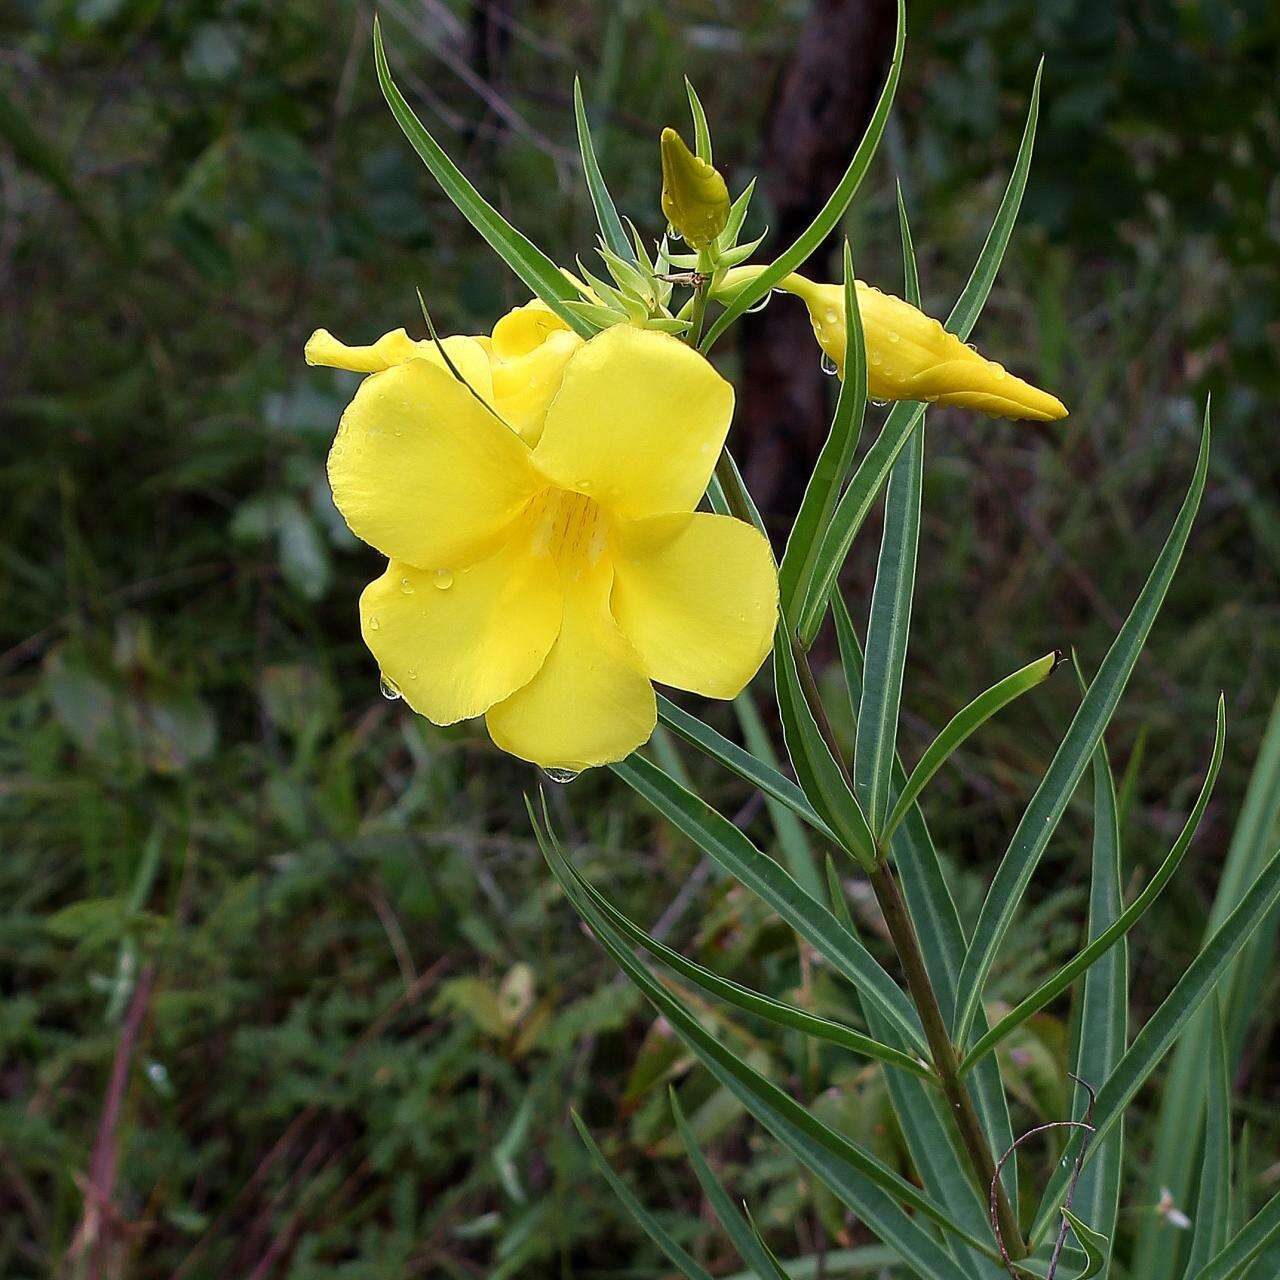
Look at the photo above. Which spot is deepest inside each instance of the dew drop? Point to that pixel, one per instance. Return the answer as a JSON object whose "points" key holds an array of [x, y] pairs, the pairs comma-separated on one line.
{"points": [[442, 579], [1001, 372], [672, 233], [879, 404], [413, 673], [561, 776], [832, 317], [971, 347], [388, 689], [406, 586], [876, 358], [894, 336], [829, 366], [374, 624], [762, 303]]}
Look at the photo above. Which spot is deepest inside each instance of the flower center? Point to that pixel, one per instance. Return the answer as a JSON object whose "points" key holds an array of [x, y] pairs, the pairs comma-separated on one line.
{"points": [[571, 527]]}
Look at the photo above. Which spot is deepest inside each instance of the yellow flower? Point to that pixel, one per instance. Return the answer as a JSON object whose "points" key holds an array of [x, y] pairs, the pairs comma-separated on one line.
{"points": [[910, 356], [517, 370], [546, 585], [694, 196]]}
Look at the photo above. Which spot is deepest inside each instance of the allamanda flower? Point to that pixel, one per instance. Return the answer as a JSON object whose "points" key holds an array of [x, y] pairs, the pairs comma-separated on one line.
{"points": [[544, 577], [910, 356]]}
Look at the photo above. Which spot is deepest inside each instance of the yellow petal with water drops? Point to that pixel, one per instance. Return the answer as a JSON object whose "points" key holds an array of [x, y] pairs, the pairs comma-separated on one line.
{"points": [[637, 424], [455, 641], [523, 386], [591, 703], [697, 595], [422, 471], [694, 196], [524, 328], [910, 356]]}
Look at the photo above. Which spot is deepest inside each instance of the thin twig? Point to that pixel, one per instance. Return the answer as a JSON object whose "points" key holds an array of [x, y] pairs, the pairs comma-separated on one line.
{"points": [[1064, 1226], [993, 1200]]}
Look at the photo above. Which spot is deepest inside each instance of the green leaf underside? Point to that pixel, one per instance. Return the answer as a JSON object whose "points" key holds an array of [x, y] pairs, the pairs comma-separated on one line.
{"points": [[1098, 947], [721, 841], [1163, 1027], [537, 271], [1045, 809]]}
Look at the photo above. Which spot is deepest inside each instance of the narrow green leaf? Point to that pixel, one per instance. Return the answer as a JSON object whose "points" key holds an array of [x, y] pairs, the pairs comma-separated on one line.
{"points": [[775, 785], [1212, 1217], [775, 1271], [962, 726], [866, 1185], [1099, 946], [888, 628], [835, 459], [721, 841], [606, 212], [738, 215], [797, 852], [736, 1227], [741, 997], [516, 250], [1161, 1030], [1095, 1245], [1041, 816], [910, 272], [1102, 1021], [1182, 1102], [874, 469], [648, 1223], [821, 776], [1245, 1245], [701, 131], [828, 217]]}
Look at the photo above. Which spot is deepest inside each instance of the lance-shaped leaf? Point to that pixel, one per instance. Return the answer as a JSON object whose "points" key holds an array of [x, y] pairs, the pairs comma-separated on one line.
{"points": [[747, 766], [741, 997], [533, 266], [961, 727], [874, 469], [865, 1184], [1096, 1246], [1041, 816], [834, 461], [821, 775], [1100, 1027], [1161, 1030], [1245, 1245], [828, 217], [1211, 1220], [680, 1259], [721, 841], [611, 227], [736, 1226], [1099, 946]]}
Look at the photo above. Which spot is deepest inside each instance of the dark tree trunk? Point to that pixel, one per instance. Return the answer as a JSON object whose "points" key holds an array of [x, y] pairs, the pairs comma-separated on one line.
{"points": [[821, 106]]}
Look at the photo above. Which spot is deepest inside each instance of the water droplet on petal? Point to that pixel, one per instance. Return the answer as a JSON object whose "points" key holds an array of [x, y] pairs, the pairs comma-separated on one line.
{"points": [[561, 776], [672, 233], [374, 624], [894, 336], [971, 347], [388, 689], [413, 673], [443, 579], [832, 317], [877, 358], [1001, 372], [406, 586], [829, 366]]}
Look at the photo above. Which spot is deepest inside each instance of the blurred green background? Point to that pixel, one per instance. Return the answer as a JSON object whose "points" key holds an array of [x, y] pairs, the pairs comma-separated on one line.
{"points": [[315, 928]]}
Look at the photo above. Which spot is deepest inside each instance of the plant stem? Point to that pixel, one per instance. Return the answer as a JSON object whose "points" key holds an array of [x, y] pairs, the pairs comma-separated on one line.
{"points": [[903, 935]]}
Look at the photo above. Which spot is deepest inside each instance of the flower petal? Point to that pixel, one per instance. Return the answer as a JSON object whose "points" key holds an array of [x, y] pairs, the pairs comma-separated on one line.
{"points": [[591, 702], [524, 328], [456, 642], [468, 355], [523, 386], [698, 597], [637, 424], [424, 472]]}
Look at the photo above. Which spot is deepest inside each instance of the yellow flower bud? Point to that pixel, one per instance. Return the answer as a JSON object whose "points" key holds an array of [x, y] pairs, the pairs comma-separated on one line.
{"points": [[694, 196], [910, 356]]}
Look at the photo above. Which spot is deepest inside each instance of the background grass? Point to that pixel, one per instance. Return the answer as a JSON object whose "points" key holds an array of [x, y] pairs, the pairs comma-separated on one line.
{"points": [[362, 1011]]}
